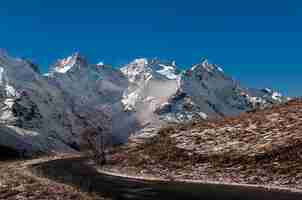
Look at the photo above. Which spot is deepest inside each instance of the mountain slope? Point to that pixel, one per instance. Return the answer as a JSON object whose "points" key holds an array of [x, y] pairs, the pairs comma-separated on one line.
{"points": [[48, 113], [261, 147], [200, 92]]}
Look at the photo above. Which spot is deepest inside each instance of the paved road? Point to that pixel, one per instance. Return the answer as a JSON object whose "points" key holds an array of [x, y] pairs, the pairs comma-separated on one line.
{"points": [[78, 172]]}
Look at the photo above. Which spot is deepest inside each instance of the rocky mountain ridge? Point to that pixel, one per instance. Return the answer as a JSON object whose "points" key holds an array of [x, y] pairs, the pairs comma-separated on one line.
{"points": [[200, 92], [49, 112]]}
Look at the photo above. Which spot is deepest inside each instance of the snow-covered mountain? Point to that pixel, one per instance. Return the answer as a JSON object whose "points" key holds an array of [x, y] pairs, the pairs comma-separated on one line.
{"points": [[200, 92], [44, 113], [49, 112]]}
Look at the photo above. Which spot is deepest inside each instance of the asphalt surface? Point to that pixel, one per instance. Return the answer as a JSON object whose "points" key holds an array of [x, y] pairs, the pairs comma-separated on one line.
{"points": [[80, 173]]}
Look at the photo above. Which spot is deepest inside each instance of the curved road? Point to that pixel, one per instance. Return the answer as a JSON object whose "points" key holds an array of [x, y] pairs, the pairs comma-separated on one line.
{"points": [[79, 172]]}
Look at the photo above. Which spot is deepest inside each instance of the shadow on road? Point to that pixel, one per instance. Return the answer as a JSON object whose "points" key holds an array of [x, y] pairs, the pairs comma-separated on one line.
{"points": [[80, 173], [7, 154]]}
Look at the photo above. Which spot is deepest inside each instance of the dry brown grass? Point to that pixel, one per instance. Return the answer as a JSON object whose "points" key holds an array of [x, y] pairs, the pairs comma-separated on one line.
{"points": [[261, 147]]}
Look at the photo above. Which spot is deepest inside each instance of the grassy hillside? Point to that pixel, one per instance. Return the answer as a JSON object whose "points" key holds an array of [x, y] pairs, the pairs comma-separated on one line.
{"points": [[260, 147]]}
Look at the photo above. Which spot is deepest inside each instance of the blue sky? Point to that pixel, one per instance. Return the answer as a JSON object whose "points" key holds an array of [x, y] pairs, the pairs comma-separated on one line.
{"points": [[257, 42]]}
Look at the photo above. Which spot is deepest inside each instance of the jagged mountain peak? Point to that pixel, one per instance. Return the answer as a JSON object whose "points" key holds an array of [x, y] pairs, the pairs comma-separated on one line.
{"points": [[145, 69], [65, 64], [7, 60], [157, 61], [15, 71], [206, 66], [100, 64], [140, 62], [152, 63]]}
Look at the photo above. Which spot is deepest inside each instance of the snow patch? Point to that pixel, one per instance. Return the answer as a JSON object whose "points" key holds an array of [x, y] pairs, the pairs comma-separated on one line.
{"points": [[276, 96], [167, 71], [100, 64], [63, 69]]}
